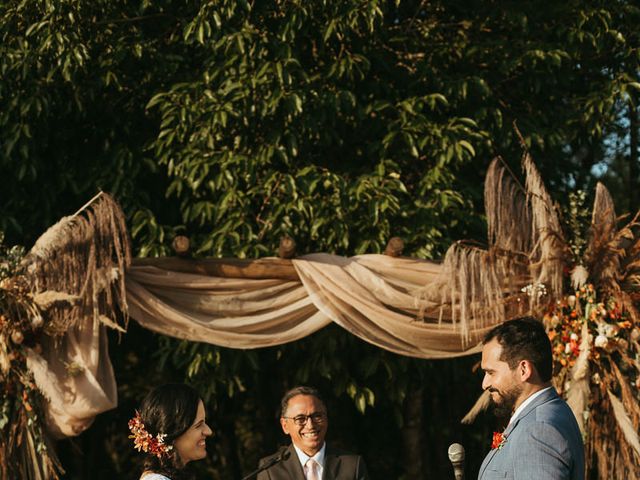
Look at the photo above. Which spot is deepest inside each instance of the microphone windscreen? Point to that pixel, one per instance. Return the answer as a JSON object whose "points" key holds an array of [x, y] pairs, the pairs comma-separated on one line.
{"points": [[456, 453], [284, 454]]}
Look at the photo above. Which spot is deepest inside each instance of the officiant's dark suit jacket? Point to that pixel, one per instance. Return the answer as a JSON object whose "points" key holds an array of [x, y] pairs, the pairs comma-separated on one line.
{"points": [[338, 465], [542, 443]]}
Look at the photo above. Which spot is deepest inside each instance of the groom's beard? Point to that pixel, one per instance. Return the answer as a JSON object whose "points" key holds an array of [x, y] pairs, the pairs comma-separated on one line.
{"points": [[503, 407]]}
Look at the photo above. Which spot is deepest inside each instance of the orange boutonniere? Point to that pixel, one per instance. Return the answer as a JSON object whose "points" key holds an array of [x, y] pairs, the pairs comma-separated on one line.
{"points": [[498, 440]]}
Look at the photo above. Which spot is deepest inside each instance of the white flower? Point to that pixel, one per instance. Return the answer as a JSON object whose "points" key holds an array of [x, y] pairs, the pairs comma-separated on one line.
{"points": [[567, 348], [537, 289], [609, 330], [601, 341], [574, 336], [579, 277], [571, 300]]}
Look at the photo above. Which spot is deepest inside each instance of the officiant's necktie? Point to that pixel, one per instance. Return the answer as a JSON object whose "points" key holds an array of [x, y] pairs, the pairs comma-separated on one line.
{"points": [[311, 469]]}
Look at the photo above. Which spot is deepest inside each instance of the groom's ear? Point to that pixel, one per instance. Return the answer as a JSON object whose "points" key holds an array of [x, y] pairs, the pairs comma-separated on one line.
{"points": [[525, 370]]}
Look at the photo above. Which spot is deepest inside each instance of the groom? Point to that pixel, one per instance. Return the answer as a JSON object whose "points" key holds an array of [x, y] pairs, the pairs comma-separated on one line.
{"points": [[542, 440]]}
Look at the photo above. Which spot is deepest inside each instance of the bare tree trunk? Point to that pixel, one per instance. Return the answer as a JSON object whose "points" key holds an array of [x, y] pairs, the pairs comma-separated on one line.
{"points": [[634, 168], [412, 434]]}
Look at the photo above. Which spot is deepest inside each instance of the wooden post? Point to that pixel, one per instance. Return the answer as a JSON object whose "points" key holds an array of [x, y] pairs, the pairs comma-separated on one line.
{"points": [[287, 247], [279, 268], [394, 247], [181, 246]]}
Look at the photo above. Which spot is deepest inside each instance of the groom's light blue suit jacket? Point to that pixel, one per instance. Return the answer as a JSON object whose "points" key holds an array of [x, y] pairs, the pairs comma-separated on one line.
{"points": [[542, 443]]}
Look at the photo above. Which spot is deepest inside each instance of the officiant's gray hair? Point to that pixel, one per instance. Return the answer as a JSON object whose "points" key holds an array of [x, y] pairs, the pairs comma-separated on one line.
{"points": [[300, 390], [524, 339]]}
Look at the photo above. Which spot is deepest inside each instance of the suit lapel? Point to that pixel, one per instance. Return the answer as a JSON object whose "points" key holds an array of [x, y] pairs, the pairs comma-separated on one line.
{"points": [[292, 465], [331, 465], [542, 398]]}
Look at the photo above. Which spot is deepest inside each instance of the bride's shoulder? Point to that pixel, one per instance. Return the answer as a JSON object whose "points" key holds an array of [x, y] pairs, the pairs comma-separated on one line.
{"points": [[153, 476]]}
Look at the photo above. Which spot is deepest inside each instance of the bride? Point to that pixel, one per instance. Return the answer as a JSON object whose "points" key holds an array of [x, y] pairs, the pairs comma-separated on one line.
{"points": [[170, 428]]}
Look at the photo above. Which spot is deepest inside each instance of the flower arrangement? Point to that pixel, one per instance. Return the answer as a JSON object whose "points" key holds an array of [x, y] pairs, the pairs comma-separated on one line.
{"points": [[595, 332], [609, 331], [22, 431], [609, 325], [72, 276], [143, 441]]}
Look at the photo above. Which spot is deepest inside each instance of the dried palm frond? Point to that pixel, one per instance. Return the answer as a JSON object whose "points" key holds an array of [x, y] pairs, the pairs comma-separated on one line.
{"points": [[577, 396], [549, 246], [613, 257], [46, 300], [627, 396], [106, 321], [603, 451], [508, 212], [481, 405], [624, 423], [603, 217], [83, 256]]}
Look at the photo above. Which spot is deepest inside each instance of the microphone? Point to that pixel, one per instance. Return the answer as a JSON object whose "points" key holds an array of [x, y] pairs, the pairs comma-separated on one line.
{"points": [[284, 454], [456, 456]]}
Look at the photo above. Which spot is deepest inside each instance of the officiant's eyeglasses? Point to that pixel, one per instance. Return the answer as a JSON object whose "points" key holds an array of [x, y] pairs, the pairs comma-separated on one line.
{"points": [[300, 420]]}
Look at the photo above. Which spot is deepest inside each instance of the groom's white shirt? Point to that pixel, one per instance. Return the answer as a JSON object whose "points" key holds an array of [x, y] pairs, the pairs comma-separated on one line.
{"points": [[524, 404]]}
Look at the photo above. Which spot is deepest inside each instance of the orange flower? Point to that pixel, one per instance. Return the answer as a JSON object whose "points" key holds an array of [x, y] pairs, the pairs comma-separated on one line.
{"points": [[498, 440]]}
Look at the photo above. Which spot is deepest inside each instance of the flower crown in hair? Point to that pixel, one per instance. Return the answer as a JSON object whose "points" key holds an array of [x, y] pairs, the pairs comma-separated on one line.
{"points": [[143, 441]]}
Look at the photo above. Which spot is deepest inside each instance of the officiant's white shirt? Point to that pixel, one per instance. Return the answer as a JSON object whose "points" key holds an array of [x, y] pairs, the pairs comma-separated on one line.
{"points": [[318, 457]]}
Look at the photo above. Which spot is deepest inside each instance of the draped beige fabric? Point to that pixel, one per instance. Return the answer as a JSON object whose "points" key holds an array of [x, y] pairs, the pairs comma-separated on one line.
{"points": [[378, 298], [76, 375]]}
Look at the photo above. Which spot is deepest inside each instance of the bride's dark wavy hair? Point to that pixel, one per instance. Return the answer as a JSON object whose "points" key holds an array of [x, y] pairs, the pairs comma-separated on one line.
{"points": [[171, 410]]}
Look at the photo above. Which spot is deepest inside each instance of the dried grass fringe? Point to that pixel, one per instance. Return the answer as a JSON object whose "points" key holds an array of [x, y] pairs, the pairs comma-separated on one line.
{"points": [[83, 256], [526, 246], [549, 246]]}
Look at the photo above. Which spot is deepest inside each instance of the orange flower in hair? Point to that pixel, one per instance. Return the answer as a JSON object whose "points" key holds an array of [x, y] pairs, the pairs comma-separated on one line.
{"points": [[143, 441]]}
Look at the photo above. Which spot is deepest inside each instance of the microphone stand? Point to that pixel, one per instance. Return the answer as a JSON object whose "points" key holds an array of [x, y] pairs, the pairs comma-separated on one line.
{"points": [[283, 456]]}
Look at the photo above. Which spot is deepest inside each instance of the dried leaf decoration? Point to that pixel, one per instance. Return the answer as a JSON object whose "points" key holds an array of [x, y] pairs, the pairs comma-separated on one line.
{"points": [[624, 422], [83, 256], [70, 283], [591, 315]]}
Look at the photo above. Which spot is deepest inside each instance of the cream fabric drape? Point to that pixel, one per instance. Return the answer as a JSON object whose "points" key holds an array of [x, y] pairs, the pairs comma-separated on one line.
{"points": [[393, 303], [75, 374], [375, 297]]}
